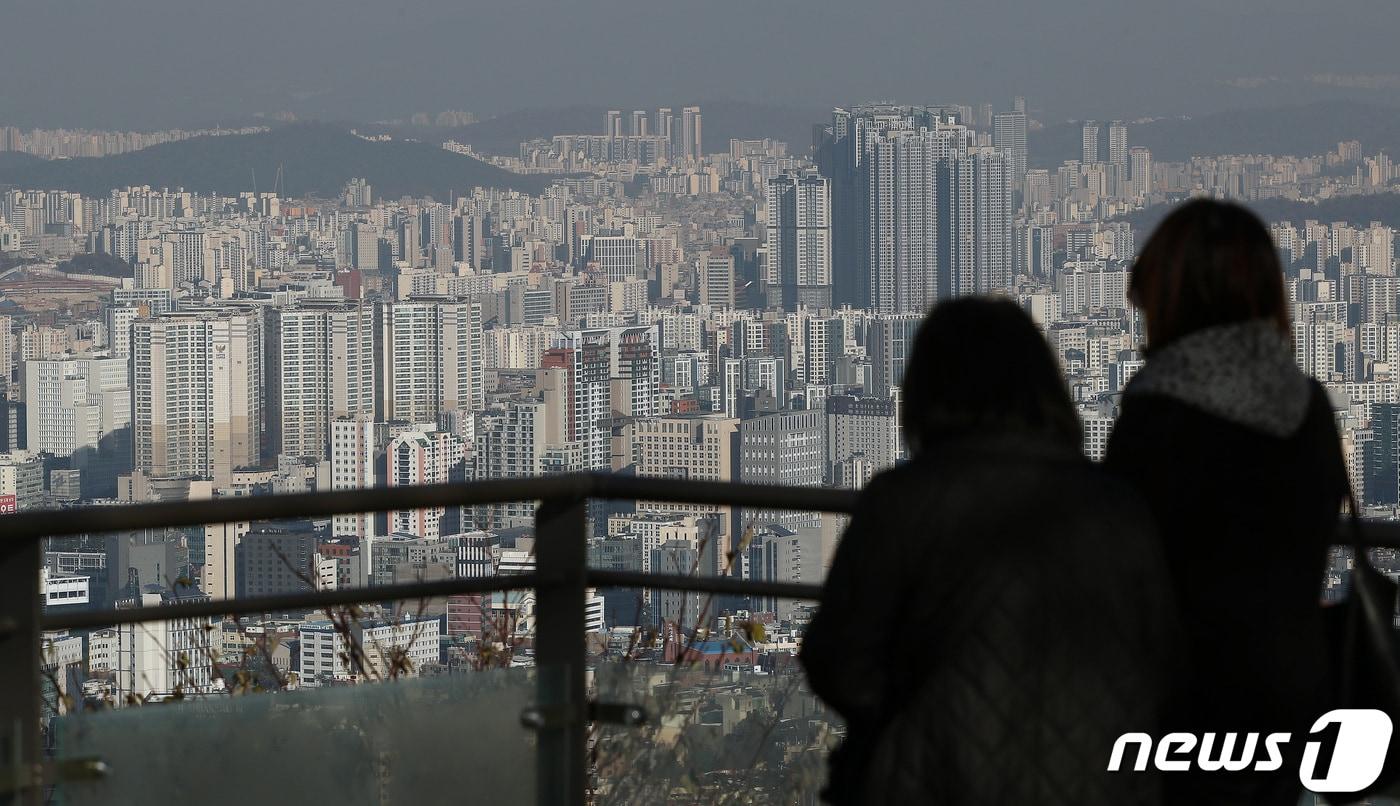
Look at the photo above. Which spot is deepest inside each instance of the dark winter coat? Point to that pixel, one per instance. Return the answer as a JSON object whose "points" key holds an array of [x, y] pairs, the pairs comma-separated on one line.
{"points": [[995, 617], [1237, 453]]}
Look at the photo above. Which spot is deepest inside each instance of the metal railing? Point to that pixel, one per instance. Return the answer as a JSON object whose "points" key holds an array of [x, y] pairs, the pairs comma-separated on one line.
{"points": [[560, 580]]}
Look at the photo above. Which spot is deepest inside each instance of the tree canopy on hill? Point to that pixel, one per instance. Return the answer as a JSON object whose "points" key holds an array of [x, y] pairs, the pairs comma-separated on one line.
{"points": [[721, 121], [9, 261], [98, 263], [315, 159]]}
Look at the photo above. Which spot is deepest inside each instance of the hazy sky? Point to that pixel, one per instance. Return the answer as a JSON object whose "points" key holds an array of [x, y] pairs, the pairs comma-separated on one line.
{"points": [[155, 63]]}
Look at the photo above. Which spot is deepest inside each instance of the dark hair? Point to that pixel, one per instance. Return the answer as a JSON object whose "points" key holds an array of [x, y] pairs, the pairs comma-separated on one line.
{"points": [[1209, 263], [979, 364]]}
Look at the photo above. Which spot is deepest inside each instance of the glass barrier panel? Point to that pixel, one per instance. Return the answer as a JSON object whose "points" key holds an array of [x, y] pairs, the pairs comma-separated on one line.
{"points": [[726, 716], [429, 740]]}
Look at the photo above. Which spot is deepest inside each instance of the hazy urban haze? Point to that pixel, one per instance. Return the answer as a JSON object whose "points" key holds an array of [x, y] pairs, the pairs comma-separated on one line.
{"points": [[749, 268], [160, 63]]}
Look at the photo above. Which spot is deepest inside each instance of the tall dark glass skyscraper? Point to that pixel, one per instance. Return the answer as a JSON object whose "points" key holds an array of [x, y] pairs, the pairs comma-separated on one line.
{"points": [[797, 269], [919, 213], [1381, 484]]}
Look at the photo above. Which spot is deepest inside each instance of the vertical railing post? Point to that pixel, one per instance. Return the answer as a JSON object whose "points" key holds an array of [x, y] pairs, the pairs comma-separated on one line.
{"points": [[561, 558], [19, 671]]}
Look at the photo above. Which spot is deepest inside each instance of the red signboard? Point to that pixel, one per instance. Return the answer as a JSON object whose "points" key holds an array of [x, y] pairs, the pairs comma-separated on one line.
{"points": [[7, 504]]}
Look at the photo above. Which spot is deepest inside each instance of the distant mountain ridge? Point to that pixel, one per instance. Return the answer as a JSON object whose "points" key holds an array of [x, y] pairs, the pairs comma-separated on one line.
{"points": [[1299, 131], [315, 158], [318, 158], [720, 122], [1358, 210]]}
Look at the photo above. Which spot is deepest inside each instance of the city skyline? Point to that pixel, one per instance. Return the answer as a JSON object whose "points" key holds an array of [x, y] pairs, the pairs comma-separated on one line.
{"points": [[899, 207], [579, 403], [659, 302]]}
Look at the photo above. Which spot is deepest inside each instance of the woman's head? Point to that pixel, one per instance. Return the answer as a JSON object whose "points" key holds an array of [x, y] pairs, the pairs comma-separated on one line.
{"points": [[1209, 263], [980, 366]]}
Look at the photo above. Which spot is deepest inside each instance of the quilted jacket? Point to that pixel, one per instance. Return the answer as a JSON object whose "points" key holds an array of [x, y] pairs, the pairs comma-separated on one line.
{"points": [[995, 617], [1237, 454]]}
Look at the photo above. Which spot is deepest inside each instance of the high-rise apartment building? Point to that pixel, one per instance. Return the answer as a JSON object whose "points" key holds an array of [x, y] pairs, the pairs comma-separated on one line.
{"points": [[188, 247], [358, 193], [421, 457], [634, 358], [554, 425], [798, 259], [21, 481], [197, 393], [430, 359], [1090, 149], [823, 342], [8, 344], [515, 442], [782, 554], [1140, 171], [157, 660], [320, 366], [1381, 456], [908, 195], [862, 438], [218, 576], [326, 654], [435, 229], [407, 240], [681, 608], [468, 240], [1009, 135], [1034, 251], [692, 146], [702, 447], [588, 400], [665, 124], [617, 257], [787, 448], [989, 269], [939, 219], [889, 341], [129, 304], [837, 159], [912, 198], [364, 246], [717, 278], [276, 558], [1118, 148], [73, 403], [606, 371], [354, 443]]}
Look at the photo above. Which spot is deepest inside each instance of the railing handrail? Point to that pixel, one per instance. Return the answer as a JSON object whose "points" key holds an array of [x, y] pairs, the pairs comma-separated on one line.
{"points": [[560, 581], [562, 487], [38, 524], [282, 603], [313, 600]]}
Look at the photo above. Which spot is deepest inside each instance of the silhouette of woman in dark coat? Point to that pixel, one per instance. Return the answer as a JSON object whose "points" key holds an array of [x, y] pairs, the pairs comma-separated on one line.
{"points": [[1237, 453], [997, 613]]}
